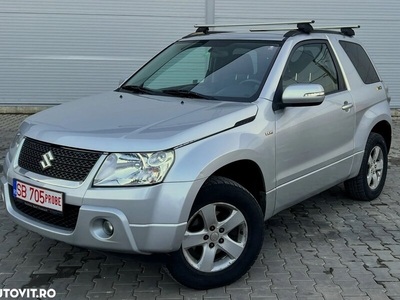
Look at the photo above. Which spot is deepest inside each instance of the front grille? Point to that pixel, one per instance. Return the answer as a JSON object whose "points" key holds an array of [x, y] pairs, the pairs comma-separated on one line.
{"points": [[66, 221], [68, 164]]}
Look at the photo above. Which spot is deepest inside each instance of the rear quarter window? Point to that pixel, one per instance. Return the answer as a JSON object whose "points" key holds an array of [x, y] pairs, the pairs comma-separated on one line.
{"points": [[361, 62]]}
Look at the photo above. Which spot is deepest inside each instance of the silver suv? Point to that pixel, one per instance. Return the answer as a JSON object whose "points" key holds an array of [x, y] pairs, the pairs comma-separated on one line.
{"points": [[192, 153]]}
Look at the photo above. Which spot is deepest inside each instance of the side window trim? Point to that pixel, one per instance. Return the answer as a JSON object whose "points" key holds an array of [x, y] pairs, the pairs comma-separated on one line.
{"points": [[375, 78], [341, 83]]}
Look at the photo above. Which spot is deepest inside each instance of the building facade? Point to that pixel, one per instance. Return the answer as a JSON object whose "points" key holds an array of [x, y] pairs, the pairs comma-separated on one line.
{"points": [[54, 51]]}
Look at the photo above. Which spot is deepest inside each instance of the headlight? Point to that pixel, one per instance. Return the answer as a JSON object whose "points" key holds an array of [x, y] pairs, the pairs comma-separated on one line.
{"points": [[129, 169], [14, 145]]}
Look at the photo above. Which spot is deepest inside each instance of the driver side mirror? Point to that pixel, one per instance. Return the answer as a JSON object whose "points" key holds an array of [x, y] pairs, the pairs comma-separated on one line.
{"points": [[303, 94]]}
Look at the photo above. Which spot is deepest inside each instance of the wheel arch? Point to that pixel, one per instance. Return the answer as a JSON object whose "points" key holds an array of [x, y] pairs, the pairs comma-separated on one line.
{"points": [[376, 119], [248, 174], [239, 155], [385, 130]]}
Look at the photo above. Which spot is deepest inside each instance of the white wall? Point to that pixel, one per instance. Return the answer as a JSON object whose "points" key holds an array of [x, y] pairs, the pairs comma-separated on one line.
{"points": [[57, 51]]}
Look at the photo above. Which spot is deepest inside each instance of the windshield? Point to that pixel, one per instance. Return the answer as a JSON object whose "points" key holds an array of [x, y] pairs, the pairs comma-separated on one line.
{"points": [[229, 70]]}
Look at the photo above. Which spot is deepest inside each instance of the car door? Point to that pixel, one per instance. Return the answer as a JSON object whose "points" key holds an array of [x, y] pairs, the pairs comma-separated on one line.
{"points": [[314, 144]]}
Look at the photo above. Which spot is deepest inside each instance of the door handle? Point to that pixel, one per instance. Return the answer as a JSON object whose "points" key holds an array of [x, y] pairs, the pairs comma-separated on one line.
{"points": [[347, 105]]}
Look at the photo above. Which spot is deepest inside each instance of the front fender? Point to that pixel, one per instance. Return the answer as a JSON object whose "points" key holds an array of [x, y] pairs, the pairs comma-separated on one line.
{"points": [[197, 161], [201, 159]]}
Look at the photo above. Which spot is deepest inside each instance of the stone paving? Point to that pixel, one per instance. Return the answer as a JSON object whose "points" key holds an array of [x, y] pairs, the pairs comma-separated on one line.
{"points": [[328, 247]]}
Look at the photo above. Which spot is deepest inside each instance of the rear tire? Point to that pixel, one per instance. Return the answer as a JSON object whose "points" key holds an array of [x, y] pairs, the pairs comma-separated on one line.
{"points": [[369, 183], [223, 237]]}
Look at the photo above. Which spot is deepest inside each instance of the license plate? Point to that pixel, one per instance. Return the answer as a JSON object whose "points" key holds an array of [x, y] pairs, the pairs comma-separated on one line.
{"points": [[43, 199]]}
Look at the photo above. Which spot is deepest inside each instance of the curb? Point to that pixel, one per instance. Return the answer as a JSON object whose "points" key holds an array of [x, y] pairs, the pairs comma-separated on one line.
{"points": [[25, 110], [395, 112]]}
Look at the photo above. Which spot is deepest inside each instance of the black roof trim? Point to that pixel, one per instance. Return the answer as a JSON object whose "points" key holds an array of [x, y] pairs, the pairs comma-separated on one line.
{"points": [[305, 27], [204, 30], [346, 31]]}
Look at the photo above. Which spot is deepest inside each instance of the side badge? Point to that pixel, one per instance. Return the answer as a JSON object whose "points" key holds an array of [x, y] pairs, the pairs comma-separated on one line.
{"points": [[269, 133]]}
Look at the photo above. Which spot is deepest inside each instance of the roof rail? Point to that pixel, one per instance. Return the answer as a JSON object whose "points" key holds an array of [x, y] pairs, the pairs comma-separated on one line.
{"points": [[205, 28], [302, 26], [346, 30]]}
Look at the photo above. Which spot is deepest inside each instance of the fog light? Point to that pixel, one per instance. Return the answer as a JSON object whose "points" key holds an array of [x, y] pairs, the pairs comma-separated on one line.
{"points": [[108, 227]]}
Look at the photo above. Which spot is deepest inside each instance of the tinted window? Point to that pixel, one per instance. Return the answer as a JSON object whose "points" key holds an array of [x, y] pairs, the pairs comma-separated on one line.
{"points": [[312, 63], [231, 70], [361, 62], [187, 67]]}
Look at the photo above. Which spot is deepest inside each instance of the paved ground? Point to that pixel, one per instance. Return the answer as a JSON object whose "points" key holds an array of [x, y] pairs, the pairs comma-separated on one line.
{"points": [[328, 247]]}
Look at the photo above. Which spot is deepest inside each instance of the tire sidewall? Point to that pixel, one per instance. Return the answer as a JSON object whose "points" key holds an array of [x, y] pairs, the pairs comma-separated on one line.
{"points": [[373, 141], [237, 196]]}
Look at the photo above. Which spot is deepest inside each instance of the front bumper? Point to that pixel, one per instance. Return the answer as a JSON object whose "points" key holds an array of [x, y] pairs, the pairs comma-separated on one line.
{"points": [[146, 220]]}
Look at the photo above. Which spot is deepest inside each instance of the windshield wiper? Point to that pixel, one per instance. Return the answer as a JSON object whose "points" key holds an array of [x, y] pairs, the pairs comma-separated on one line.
{"points": [[138, 89], [187, 94]]}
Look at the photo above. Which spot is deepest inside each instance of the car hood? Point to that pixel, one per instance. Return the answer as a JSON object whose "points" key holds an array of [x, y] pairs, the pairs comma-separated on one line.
{"points": [[125, 122]]}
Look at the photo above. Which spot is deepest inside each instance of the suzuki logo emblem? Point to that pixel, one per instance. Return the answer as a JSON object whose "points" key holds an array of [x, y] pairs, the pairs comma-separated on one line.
{"points": [[47, 158]]}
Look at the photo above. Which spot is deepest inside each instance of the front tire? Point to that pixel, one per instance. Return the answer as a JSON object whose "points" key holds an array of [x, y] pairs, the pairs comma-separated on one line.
{"points": [[369, 183], [223, 237]]}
